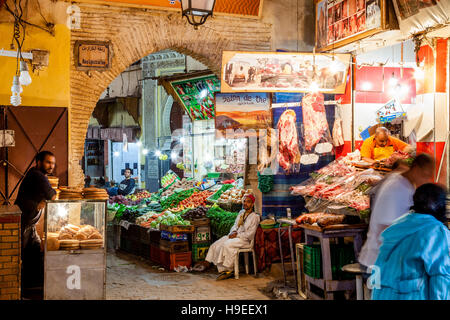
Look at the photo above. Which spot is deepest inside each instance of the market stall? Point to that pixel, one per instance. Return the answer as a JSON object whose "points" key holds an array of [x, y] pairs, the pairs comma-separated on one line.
{"points": [[74, 245]]}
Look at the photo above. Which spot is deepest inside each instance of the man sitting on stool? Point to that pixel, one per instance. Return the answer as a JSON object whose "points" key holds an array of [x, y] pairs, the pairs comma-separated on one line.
{"points": [[223, 252]]}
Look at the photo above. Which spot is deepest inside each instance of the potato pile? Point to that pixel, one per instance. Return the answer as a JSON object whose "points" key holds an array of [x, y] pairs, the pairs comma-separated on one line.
{"points": [[234, 195]]}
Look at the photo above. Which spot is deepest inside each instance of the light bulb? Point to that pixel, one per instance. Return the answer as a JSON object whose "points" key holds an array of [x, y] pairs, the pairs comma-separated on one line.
{"points": [[366, 86], [16, 100], [203, 93], [145, 151], [116, 153], [157, 153], [314, 87], [139, 143], [16, 87], [419, 73], [182, 140], [404, 89], [393, 80], [334, 66], [25, 78]]}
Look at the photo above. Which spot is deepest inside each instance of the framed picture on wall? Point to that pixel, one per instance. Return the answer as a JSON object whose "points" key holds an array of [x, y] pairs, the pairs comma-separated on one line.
{"points": [[340, 22]]}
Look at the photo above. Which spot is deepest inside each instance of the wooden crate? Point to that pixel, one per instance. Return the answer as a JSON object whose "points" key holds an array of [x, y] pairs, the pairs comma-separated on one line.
{"points": [[177, 229], [200, 222], [301, 281], [173, 260], [174, 246]]}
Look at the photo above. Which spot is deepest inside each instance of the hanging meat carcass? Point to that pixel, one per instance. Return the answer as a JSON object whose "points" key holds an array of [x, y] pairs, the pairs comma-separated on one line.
{"points": [[314, 119], [289, 152]]}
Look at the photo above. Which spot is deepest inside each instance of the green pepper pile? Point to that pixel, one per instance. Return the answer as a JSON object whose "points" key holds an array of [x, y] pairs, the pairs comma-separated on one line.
{"points": [[265, 182], [221, 221], [174, 199]]}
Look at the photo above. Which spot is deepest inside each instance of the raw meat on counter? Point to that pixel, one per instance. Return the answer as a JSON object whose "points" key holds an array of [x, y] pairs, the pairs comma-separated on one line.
{"points": [[398, 155], [289, 152], [322, 219], [314, 119]]}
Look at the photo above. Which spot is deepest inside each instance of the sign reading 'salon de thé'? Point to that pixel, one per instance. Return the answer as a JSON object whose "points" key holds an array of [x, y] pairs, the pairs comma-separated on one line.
{"points": [[92, 55]]}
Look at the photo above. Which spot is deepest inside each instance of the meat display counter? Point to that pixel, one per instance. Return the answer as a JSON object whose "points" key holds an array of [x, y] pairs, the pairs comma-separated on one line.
{"points": [[74, 250]]}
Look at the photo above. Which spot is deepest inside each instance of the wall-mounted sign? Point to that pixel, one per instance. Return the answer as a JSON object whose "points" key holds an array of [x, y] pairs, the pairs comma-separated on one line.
{"points": [[390, 111], [197, 95], [339, 22], [248, 8], [94, 55], [283, 72], [416, 16], [243, 111]]}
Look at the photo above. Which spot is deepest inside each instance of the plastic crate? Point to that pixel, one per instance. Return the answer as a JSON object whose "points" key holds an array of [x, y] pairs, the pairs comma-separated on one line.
{"points": [[340, 256], [173, 260], [312, 261], [199, 251]]}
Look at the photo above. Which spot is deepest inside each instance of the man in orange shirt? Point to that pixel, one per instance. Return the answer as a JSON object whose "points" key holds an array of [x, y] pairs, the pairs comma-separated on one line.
{"points": [[381, 146]]}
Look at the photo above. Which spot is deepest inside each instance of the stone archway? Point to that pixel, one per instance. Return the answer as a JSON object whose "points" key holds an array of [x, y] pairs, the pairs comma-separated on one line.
{"points": [[135, 33]]}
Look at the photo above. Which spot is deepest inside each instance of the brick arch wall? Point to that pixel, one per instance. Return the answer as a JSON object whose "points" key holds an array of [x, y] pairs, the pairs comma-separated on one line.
{"points": [[135, 33]]}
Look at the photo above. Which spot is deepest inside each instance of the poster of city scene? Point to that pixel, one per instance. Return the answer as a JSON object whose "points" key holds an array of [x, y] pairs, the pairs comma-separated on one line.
{"points": [[283, 72]]}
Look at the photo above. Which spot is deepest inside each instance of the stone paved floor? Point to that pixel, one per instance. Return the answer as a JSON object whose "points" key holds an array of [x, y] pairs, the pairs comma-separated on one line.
{"points": [[131, 278]]}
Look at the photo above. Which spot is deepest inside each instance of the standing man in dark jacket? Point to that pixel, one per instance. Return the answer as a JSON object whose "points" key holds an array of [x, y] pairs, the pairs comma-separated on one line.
{"points": [[33, 192]]}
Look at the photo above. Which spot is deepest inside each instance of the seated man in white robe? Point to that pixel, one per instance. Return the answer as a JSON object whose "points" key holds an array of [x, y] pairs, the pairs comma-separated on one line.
{"points": [[223, 252]]}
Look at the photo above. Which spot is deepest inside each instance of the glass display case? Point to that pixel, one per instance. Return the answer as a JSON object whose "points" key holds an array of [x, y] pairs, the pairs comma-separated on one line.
{"points": [[75, 250]]}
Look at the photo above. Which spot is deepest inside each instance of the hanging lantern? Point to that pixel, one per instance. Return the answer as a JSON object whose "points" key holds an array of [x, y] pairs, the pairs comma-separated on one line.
{"points": [[197, 11]]}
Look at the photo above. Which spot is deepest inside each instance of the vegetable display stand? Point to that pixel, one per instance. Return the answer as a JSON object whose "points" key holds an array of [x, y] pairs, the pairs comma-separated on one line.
{"points": [[155, 253], [173, 260], [145, 235], [134, 232], [326, 283], [145, 251], [199, 251], [155, 236], [174, 246], [177, 229]]}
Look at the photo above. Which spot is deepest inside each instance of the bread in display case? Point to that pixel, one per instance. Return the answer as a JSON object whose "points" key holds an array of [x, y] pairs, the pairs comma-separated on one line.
{"points": [[75, 250]]}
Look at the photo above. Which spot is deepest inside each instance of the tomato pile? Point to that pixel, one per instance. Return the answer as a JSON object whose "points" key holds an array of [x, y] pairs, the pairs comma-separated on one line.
{"points": [[196, 200]]}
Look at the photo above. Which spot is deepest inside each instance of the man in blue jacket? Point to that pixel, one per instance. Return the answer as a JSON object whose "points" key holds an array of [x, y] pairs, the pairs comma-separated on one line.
{"points": [[126, 186]]}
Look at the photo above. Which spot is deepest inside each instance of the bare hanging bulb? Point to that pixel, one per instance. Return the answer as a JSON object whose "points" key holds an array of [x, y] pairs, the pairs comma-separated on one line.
{"points": [[15, 100], [16, 87], [25, 78]]}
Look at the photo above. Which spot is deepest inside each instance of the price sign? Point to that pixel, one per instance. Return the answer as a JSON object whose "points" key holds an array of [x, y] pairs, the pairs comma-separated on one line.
{"points": [[125, 224]]}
